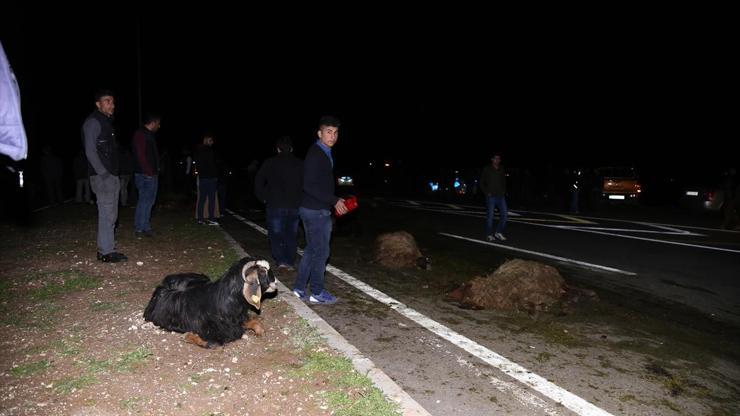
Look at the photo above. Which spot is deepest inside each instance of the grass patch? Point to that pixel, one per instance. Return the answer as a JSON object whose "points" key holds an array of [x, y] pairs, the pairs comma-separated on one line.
{"points": [[72, 281], [130, 404], [304, 336], [131, 359], [99, 306], [72, 384], [124, 363], [26, 370], [353, 394], [216, 267]]}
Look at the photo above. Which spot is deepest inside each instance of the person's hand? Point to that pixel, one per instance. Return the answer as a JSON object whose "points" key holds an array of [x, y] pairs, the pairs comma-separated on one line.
{"points": [[340, 207]]}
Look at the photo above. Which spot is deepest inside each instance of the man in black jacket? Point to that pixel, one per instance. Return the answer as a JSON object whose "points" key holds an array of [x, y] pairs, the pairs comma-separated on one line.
{"points": [[315, 212], [101, 150], [279, 185]]}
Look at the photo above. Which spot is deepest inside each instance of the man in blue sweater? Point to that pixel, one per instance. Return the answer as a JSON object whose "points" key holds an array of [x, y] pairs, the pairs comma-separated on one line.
{"points": [[315, 212]]}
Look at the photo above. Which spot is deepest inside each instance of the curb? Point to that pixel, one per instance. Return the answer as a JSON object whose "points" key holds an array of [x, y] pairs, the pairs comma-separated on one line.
{"points": [[362, 364]]}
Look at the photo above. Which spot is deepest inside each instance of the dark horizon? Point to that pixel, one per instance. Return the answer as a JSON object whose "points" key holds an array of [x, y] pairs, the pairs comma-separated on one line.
{"points": [[435, 96]]}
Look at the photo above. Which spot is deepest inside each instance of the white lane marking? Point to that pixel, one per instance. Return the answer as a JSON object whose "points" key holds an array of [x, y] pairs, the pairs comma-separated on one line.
{"points": [[514, 370], [655, 240], [558, 394], [549, 256], [520, 394]]}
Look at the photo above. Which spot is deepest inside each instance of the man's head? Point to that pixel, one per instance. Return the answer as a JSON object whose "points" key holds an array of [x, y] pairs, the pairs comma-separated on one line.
{"points": [[284, 144], [153, 122], [105, 102], [328, 130], [208, 139], [496, 160]]}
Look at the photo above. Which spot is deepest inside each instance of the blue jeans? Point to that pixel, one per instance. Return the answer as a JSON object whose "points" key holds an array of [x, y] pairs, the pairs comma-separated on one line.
{"points": [[206, 189], [500, 203], [282, 223], [317, 225], [147, 186]]}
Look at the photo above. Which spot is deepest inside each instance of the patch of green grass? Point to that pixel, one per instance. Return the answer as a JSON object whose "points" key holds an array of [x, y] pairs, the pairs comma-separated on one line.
{"points": [[130, 404], [216, 267], [107, 306], [304, 336], [67, 346], [26, 370], [353, 393], [73, 281], [98, 366], [124, 363], [131, 359], [70, 384]]}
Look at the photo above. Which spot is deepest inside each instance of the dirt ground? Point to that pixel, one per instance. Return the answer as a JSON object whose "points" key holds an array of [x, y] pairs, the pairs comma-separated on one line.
{"points": [[76, 344]]}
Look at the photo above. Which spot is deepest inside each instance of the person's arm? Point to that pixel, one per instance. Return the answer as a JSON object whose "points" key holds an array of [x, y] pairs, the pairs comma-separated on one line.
{"points": [[484, 186], [139, 143], [91, 130], [260, 182]]}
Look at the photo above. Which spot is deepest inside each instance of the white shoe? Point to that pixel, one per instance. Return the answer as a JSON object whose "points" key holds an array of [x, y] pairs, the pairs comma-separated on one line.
{"points": [[490, 238], [499, 237]]}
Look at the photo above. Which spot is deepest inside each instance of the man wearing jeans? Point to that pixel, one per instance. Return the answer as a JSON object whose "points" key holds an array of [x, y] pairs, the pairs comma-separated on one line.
{"points": [[315, 212], [493, 185], [146, 169], [101, 150], [279, 185]]}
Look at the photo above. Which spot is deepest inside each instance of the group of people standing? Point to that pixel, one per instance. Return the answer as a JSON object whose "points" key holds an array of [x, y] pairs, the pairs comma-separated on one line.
{"points": [[103, 166], [292, 190]]}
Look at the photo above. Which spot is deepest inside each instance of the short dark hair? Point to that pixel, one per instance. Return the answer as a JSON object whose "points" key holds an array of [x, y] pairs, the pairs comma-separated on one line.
{"points": [[284, 144], [151, 117], [99, 94], [329, 121]]}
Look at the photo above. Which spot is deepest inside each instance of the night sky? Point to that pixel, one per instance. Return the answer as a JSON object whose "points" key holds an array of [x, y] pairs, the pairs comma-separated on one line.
{"points": [[429, 90]]}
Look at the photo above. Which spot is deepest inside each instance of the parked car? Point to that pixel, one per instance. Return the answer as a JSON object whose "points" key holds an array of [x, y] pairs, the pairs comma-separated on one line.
{"points": [[708, 191], [617, 184]]}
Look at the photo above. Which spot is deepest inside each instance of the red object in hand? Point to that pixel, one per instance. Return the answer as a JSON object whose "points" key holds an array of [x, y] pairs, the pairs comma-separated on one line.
{"points": [[350, 203]]}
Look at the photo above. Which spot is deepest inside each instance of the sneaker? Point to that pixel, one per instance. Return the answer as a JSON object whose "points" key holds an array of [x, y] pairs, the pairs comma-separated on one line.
{"points": [[490, 238], [499, 237], [300, 294], [285, 267], [201, 222], [139, 234], [323, 298], [212, 222], [113, 257]]}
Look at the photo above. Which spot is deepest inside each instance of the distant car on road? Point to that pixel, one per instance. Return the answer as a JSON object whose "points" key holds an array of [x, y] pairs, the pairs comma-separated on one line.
{"points": [[617, 184], [707, 191]]}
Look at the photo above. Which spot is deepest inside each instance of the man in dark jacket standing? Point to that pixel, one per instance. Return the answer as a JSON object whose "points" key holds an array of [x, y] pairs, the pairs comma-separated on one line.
{"points": [[279, 185], [315, 212], [493, 185], [146, 171], [101, 150]]}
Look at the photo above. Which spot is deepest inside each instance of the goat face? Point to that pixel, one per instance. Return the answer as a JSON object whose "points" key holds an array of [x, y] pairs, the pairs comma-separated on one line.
{"points": [[258, 280]]}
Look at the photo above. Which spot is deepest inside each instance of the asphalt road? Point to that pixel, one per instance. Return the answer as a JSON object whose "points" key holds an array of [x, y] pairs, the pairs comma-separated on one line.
{"points": [[460, 362]]}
